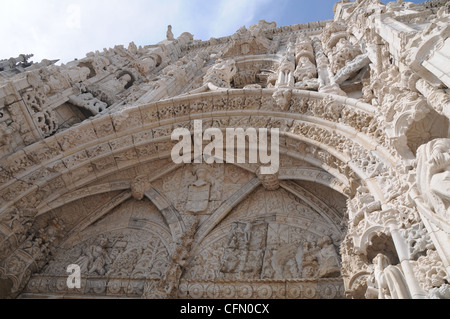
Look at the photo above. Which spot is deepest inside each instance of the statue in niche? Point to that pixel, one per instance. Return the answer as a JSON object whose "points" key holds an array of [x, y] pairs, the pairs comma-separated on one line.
{"points": [[433, 176], [145, 66], [132, 48], [387, 281], [6, 135], [287, 68], [54, 80], [230, 262], [262, 25], [306, 70], [306, 75], [39, 243], [199, 192]]}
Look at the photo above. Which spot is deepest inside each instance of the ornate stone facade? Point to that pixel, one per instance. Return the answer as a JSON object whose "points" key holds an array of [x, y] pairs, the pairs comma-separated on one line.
{"points": [[358, 209]]}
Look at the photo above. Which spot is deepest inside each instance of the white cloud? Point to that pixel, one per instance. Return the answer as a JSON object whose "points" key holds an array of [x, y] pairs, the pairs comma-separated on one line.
{"points": [[68, 29], [73, 21], [233, 14]]}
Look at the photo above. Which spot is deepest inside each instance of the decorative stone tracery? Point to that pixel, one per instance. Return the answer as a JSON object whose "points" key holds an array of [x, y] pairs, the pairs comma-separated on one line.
{"points": [[358, 208]]}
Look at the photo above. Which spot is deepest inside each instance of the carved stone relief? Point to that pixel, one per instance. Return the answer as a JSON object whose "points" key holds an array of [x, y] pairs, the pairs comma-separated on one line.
{"points": [[263, 241], [362, 102]]}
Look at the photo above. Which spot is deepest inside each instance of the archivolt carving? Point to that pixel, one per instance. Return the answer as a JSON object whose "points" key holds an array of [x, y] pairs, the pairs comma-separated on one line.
{"points": [[117, 125]]}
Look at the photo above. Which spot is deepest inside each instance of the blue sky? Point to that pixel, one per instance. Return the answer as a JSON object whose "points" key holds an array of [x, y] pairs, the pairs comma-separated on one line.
{"points": [[68, 29]]}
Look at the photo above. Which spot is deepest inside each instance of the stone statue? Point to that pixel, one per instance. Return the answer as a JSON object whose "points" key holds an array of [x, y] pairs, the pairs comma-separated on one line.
{"points": [[433, 176], [388, 281], [306, 70], [145, 66], [95, 259], [329, 264], [306, 75], [132, 48], [6, 133], [221, 74], [283, 98], [36, 247], [287, 68], [169, 34], [20, 224], [261, 26], [53, 231], [281, 261]]}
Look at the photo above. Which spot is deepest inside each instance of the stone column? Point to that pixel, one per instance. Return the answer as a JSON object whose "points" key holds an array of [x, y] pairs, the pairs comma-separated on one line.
{"points": [[402, 249]]}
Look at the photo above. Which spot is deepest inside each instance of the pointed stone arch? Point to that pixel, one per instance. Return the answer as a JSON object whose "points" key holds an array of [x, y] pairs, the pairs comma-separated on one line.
{"points": [[313, 128]]}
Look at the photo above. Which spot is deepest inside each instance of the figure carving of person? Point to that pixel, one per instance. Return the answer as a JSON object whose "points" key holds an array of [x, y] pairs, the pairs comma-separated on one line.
{"points": [[306, 70], [287, 68], [433, 176], [309, 264], [169, 34], [390, 281], [329, 265], [95, 258], [100, 257]]}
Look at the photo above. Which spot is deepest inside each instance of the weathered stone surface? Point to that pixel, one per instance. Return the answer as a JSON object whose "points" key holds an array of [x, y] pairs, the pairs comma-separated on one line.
{"points": [[359, 207]]}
